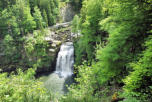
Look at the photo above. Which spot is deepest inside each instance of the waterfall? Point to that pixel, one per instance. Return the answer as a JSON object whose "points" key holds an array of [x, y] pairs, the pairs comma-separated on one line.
{"points": [[65, 60]]}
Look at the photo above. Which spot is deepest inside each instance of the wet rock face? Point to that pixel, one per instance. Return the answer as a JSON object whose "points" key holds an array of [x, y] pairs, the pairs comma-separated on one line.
{"points": [[57, 35], [67, 13], [61, 32]]}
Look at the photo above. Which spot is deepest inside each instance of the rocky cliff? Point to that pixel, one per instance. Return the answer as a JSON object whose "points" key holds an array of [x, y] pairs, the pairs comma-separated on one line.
{"points": [[67, 12]]}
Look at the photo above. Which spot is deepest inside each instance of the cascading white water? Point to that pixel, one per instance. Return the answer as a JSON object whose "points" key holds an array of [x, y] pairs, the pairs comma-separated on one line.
{"points": [[57, 82], [65, 60]]}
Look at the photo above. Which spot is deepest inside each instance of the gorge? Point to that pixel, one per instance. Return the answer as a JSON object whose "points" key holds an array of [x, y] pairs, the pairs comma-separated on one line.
{"points": [[75, 50]]}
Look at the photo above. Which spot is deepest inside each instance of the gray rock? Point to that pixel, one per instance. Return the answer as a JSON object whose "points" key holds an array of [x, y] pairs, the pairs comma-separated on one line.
{"points": [[67, 13]]}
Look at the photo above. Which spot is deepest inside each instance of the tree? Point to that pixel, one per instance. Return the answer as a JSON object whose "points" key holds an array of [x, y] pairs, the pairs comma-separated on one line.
{"points": [[45, 17], [38, 18], [24, 18], [75, 24], [91, 34], [119, 28], [139, 83], [51, 8]]}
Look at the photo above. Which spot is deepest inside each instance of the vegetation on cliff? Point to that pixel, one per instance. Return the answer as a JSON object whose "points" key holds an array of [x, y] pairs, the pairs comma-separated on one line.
{"points": [[18, 20]]}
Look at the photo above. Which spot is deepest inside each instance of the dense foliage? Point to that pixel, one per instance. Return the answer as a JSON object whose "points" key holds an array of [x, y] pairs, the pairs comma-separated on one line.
{"points": [[113, 34], [113, 54], [18, 20], [75, 25], [139, 83], [22, 88]]}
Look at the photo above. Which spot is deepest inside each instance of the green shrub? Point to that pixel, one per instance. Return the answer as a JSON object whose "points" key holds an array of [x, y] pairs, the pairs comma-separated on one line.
{"points": [[139, 83], [22, 87], [36, 50], [83, 91], [130, 99], [75, 24]]}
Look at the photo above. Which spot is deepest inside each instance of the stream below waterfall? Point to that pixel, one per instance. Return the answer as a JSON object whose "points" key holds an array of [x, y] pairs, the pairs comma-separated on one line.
{"points": [[57, 81]]}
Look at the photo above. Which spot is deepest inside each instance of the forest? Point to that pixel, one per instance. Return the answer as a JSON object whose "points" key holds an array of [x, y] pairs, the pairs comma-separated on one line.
{"points": [[112, 42]]}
